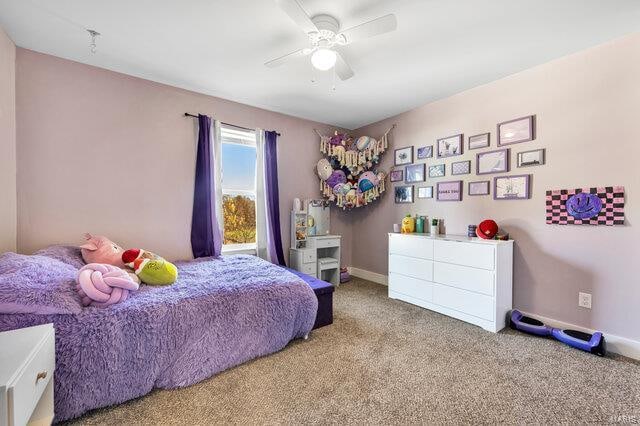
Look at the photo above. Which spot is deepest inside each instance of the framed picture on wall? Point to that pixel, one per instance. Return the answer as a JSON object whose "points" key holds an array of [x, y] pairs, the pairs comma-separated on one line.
{"points": [[450, 146], [461, 168], [449, 191], [492, 161], [531, 158], [403, 156], [511, 187], [425, 192], [437, 170], [404, 194], [479, 141], [425, 152], [479, 188], [414, 173], [395, 175], [515, 131]]}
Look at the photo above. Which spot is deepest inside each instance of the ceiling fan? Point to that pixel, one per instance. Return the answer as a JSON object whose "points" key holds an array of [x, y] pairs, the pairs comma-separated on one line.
{"points": [[325, 35]]}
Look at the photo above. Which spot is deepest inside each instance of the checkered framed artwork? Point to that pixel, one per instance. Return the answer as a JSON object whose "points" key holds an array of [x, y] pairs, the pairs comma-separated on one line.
{"points": [[611, 213]]}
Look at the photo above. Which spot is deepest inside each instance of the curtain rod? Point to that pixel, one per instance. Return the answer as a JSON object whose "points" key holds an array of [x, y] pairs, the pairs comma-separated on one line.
{"points": [[186, 114]]}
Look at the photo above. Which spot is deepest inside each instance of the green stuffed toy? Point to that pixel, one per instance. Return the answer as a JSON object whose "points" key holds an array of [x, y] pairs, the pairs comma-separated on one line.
{"points": [[149, 267]]}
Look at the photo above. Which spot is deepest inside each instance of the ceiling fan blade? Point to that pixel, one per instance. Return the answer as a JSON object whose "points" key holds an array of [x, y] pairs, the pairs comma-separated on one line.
{"points": [[285, 58], [343, 70], [378, 26], [297, 13]]}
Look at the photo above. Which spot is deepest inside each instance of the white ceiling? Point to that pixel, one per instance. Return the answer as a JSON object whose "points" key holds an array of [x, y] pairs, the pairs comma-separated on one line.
{"points": [[219, 47]]}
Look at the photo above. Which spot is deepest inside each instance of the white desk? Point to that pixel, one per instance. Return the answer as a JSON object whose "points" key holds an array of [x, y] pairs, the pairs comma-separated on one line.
{"points": [[27, 362], [320, 258]]}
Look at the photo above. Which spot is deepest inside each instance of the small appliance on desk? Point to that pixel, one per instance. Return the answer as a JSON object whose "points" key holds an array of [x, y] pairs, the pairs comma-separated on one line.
{"points": [[314, 251]]}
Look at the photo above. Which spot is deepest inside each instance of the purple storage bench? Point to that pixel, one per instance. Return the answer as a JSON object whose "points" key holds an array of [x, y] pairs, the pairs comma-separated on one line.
{"points": [[324, 293]]}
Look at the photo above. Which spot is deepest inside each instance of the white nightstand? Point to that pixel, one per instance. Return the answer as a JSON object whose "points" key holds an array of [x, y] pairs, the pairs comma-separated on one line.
{"points": [[27, 362]]}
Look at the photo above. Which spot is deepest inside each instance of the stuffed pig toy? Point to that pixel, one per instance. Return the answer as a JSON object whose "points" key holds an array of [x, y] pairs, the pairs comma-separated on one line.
{"points": [[100, 249]]}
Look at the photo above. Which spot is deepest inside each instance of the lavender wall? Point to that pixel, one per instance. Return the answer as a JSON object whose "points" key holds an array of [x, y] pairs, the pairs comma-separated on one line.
{"points": [[112, 154], [7, 143], [587, 109]]}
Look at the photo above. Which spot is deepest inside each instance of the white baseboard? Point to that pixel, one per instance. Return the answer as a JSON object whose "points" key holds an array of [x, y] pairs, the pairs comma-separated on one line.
{"points": [[616, 344], [368, 275]]}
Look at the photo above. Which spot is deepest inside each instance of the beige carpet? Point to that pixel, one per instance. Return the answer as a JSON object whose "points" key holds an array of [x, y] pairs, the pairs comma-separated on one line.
{"points": [[385, 361]]}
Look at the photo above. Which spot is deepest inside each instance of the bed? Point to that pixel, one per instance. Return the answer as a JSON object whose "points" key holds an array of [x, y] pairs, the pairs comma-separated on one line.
{"points": [[220, 313]]}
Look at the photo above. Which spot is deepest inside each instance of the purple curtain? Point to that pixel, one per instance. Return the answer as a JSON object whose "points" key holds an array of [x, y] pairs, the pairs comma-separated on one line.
{"points": [[205, 232], [274, 236]]}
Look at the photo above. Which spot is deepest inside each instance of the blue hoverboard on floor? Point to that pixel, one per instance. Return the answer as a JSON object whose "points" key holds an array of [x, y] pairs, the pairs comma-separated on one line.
{"points": [[593, 343]]}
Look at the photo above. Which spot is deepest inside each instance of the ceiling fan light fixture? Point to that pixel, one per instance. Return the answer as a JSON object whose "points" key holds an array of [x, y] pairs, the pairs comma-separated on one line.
{"points": [[324, 59]]}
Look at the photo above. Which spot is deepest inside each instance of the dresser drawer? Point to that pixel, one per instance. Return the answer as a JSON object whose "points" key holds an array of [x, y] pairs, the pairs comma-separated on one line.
{"points": [[475, 304], [309, 269], [411, 287], [411, 266], [411, 246], [326, 242], [464, 277], [309, 256], [466, 254], [27, 389]]}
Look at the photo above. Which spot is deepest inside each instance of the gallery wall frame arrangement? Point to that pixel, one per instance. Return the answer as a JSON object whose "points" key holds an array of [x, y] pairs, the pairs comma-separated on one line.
{"points": [[461, 168], [450, 146], [403, 194], [479, 187], [535, 157], [496, 161], [414, 173], [516, 187], [425, 152], [425, 192], [517, 130], [449, 191], [479, 141], [403, 156], [437, 170]]}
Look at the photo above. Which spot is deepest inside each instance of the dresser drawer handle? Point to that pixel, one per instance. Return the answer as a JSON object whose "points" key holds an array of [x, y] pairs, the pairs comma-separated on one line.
{"points": [[41, 375]]}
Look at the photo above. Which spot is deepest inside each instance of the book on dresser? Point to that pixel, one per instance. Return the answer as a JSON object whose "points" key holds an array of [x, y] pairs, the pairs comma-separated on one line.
{"points": [[470, 279]]}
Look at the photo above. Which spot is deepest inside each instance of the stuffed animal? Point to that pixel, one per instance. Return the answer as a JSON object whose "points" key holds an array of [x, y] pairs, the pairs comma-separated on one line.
{"points": [[408, 225], [149, 267], [100, 249]]}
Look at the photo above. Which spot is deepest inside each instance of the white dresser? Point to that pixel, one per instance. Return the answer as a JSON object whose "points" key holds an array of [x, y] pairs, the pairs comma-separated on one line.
{"points": [[27, 362], [466, 278]]}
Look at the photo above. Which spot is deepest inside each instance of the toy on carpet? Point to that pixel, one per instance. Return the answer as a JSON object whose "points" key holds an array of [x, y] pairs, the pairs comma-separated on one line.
{"points": [[100, 249], [592, 343], [149, 267], [345, 277], [102, 285]]}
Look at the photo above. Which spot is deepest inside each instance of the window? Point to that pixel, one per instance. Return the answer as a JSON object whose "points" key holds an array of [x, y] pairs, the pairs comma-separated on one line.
{"points": [[238, 187]]}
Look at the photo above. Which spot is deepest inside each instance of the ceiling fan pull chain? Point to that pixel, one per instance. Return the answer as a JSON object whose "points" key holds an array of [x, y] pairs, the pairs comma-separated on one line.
{"points": [[333, 84]]}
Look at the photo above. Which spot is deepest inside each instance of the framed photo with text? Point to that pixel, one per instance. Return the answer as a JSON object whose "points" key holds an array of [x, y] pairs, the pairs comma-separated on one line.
{"points": [[449, 191]]}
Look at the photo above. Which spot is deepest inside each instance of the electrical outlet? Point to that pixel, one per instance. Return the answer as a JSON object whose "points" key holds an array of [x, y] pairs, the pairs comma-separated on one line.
{"points": [[584, 300]]}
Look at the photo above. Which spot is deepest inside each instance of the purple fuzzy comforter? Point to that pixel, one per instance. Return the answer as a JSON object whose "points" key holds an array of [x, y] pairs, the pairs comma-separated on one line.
{"points": [[220, 313]]}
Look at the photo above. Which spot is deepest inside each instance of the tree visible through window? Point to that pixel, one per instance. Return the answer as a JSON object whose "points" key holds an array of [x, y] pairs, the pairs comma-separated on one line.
{"points": [[238, 186]]}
